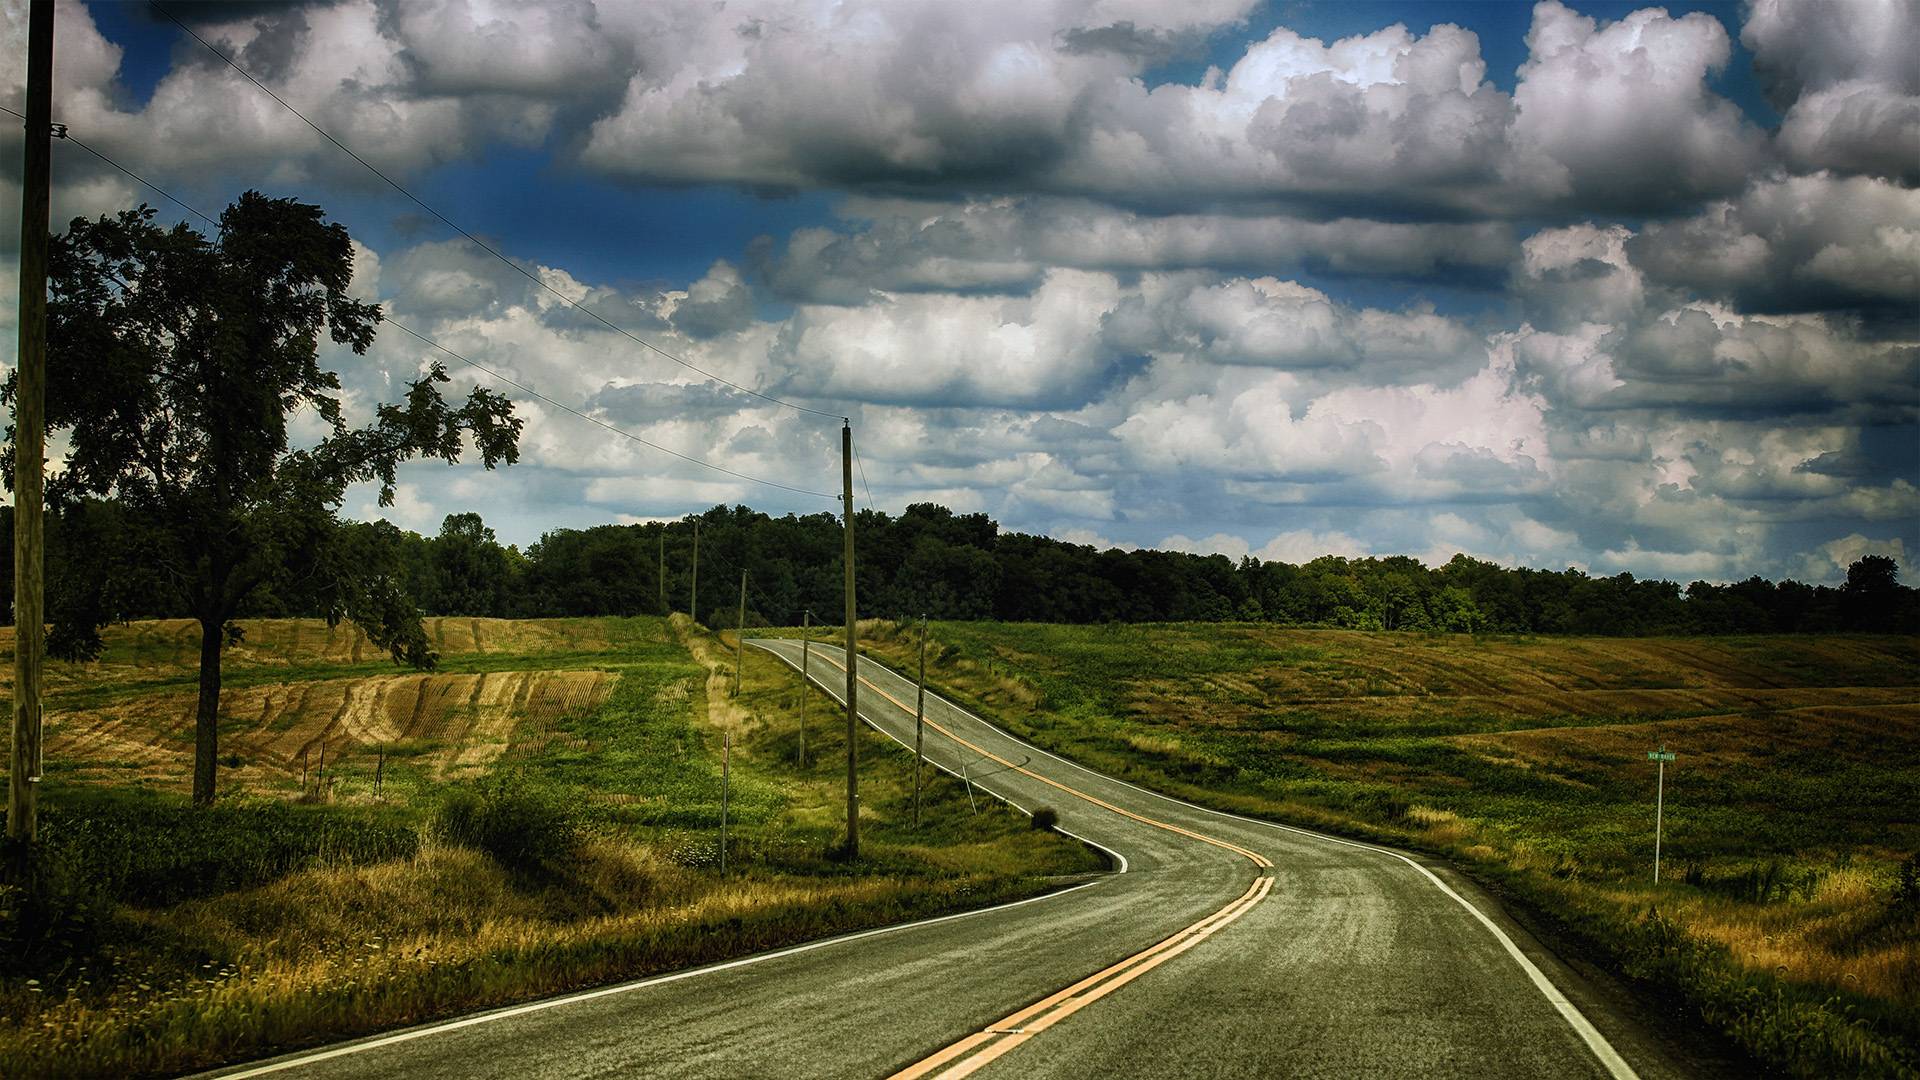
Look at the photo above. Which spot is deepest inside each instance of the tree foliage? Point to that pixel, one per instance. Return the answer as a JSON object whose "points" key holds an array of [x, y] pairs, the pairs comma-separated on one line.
{"points": [[953, 566], [175, 366]]}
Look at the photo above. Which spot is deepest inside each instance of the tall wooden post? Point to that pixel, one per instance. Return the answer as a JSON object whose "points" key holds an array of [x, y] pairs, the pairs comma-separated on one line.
{"points": [[29, 435], [693, 589], [853, 654], [806, 658], [663, 569], [740, 634], [920, 722]]}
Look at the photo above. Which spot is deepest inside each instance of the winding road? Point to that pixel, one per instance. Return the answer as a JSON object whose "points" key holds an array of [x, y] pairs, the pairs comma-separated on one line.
{"points": [[1223, 947]]}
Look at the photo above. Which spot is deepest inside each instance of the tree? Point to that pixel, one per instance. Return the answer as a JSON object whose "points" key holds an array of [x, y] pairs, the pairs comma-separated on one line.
{"points": [[471, 571], [175, 364]]}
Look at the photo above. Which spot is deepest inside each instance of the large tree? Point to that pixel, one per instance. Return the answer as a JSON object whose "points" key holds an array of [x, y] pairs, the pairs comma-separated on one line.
{"points": [[175, 364]]}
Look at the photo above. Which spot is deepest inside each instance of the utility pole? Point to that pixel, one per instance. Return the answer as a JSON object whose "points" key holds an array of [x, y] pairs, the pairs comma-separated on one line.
{"points": [[693, 589], [853, 654], [919, 722], [663, 569], [740, 634], [1662, 755], [806, 658], [29, 441]]}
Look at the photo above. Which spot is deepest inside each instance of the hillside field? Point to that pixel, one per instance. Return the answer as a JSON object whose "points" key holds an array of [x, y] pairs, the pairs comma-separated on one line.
{"points": [[1788, 913], [538, 814]]}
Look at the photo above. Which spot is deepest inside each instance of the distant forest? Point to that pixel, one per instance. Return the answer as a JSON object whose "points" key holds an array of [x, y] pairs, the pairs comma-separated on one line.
{"points": [[962, 566]]}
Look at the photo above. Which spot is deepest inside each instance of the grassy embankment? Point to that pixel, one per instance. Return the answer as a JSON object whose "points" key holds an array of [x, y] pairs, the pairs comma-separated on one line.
{"points": [[546, 819], [1781, 918]]}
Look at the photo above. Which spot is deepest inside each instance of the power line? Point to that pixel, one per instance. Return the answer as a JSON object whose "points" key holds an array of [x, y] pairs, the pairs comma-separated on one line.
{"points": [[476, 241], [863, 473], [67, 136]]}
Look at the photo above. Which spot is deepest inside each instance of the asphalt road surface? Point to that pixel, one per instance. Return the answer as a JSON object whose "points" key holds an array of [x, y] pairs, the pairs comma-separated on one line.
{"points": [[1222, 947]]}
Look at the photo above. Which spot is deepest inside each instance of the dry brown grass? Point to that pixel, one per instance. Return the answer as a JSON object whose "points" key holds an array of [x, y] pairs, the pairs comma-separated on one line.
{"points": [[1787, 813], [466, 721]]}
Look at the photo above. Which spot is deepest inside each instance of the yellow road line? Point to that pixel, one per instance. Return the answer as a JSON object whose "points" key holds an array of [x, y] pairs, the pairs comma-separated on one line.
{"points": [[1005, 1035], [983, 1047], [1255, 857]]}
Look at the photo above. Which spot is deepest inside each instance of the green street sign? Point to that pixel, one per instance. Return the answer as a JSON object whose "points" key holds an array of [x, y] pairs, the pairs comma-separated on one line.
{"points": [[1659, 755]]}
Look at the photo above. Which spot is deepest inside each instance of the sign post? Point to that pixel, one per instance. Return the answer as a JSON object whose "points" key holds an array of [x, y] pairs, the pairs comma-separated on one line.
{"points": [[1662, 755]]}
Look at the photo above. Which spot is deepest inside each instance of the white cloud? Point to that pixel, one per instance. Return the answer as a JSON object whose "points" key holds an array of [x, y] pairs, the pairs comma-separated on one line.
{"points": [[1621, 116], [1847, 80], [1299, 546], [1233, 547]]}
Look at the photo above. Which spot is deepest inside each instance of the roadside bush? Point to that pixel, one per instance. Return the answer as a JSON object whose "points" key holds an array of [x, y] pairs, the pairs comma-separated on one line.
{"points": [[522, 826], [1906, 890], [58, 912], [1045, 819], [152, 850]]}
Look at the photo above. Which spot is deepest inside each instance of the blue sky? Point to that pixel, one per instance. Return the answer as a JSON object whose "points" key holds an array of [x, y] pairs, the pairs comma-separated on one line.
{"points": [[1588, 284]]}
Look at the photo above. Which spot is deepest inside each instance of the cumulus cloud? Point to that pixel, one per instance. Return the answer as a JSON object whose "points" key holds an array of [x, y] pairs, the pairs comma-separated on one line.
{"points": [[408, 86], [1005, 244], [1304, 545], [1233, 547], [1791, 244], [1047, 98], [1621, 117], [1847, 81]]}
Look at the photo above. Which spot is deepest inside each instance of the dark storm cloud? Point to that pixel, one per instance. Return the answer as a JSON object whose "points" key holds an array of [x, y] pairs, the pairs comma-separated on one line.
{"points": [[641, 404]]}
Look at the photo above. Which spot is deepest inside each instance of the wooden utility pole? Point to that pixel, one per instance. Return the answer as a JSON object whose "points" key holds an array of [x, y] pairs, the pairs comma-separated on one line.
{"points": [[29, 438], [663, 569], [693, 589], [806, 657], [853, 655], [920, 722], [740, 634]]}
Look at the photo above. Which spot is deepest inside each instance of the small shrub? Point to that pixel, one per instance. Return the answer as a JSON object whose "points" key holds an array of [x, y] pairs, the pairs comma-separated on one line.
{"points": [[1045, 819], [59, 911], [522, 826], [1906, 890]]}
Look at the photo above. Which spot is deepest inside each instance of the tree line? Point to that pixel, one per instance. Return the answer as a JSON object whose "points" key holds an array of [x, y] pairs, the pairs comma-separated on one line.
{"points": [[963, 566]]}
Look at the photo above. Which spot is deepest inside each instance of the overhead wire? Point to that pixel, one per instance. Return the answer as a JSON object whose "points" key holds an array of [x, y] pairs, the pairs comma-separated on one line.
{"points": [[855, 443], [68, 136], [476, 241]]}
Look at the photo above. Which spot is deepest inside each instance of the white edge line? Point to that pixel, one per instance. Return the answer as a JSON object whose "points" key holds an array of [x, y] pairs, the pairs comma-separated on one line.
{"points": [[1119, 859], [1602, 1049], [658, 980], [621, 988]]}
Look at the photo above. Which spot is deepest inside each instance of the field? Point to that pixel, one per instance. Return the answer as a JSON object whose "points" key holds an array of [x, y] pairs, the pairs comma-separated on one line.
{"points": [[538, 814], [1787, 915]]}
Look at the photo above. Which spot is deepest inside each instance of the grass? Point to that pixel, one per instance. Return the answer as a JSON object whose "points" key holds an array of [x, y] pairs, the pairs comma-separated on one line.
{"points": [[1789, 812], [581, 848]]}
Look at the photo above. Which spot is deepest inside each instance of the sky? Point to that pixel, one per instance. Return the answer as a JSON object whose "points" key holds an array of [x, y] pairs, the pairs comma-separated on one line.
{"points": [[1596, 285]]}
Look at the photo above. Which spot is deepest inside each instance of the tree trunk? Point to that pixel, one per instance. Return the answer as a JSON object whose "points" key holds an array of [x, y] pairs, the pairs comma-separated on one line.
{"points": [[206, 720]]}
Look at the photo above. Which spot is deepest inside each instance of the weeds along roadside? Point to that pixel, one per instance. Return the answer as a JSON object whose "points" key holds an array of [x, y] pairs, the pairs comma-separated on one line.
{"points": [[1781, 921], [168, 939]]}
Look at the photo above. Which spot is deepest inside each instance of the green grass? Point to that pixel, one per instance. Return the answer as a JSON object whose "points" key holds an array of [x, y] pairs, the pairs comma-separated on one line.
{"points": [[1522, 758], [160, 937]]}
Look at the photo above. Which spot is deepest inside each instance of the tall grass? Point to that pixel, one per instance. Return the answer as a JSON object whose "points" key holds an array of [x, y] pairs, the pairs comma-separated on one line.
{"points": [[587, 855], [1778, 919]]}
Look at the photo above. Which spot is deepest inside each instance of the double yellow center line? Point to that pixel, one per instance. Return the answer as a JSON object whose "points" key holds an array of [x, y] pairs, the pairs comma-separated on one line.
{"points": [[982, 1047]]}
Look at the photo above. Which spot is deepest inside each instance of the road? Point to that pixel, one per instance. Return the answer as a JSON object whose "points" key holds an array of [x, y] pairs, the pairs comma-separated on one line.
{"points": [[1223, 947]]}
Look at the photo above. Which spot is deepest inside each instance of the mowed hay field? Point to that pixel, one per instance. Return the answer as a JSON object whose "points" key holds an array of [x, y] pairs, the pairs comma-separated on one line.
{"points": [[1787, 913], [298, 691], [538, 814]]}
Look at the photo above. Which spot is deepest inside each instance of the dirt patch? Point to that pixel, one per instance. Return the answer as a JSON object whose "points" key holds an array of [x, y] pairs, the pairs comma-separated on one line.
{"points": [[1708, 741], [461, 723]]}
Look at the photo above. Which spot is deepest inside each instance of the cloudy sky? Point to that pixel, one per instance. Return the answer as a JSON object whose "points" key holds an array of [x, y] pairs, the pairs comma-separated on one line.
{"points": [[1604, 286]]}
